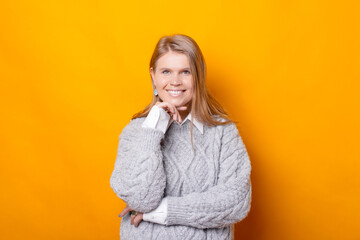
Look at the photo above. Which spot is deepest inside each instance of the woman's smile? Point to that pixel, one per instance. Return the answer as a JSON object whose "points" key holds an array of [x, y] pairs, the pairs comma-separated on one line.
{"points": [[175, 93]]}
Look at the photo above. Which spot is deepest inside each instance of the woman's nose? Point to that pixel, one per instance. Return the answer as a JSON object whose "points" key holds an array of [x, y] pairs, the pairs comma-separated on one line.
{"points": [[175, 80]]}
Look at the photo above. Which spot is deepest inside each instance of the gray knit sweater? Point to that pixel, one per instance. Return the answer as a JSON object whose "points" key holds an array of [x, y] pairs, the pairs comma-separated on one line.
{"points": [[208, 189]]}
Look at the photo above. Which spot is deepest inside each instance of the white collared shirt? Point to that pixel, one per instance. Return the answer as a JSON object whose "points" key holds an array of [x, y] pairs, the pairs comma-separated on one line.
{"points": [[158, 118]]}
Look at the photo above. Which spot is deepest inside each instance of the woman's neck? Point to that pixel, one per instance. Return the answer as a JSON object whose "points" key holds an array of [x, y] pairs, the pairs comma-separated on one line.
{"points": [[186, 112]]}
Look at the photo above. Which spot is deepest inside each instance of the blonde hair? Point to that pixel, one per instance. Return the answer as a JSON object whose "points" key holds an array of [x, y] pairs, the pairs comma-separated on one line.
{"points": [[203, 106]]}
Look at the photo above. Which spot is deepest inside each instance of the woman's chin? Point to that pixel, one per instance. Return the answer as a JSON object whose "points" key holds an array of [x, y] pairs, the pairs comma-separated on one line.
{"points": [[177, 102]]}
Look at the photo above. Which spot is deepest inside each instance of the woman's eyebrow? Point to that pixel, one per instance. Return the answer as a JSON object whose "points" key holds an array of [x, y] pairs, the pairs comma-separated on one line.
{"points": [[164, 68]]}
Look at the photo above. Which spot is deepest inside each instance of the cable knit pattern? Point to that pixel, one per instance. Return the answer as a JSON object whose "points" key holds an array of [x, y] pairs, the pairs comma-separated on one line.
{"points": [[208, 189], [138, 177]]}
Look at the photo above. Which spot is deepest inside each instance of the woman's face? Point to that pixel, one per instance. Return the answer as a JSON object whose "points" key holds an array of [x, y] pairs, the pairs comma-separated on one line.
{"points": [[173, 79]]}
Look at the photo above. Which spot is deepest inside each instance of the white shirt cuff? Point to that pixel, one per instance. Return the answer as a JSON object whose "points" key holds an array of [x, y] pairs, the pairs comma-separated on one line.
{"points": [[157, 215], [157, 118]]}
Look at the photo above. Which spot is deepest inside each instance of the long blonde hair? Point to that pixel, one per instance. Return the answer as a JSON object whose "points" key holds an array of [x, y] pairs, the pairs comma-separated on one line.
{"points": [[203, 106]]}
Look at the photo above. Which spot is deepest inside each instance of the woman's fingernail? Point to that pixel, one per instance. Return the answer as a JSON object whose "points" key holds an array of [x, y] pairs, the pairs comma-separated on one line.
{"points": [[120, 215]]}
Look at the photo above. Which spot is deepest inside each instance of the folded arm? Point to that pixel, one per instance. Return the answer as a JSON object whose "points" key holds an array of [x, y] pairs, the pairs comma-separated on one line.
{"points": [[138, 176]]}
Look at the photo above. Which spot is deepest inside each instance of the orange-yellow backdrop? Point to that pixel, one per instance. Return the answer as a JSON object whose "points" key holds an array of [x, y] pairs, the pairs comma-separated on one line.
{"points": [[72, 73]]}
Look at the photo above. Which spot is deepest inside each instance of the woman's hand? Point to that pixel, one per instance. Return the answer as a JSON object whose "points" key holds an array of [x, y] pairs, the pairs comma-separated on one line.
{"points": [[172, 110], [135, 219]]}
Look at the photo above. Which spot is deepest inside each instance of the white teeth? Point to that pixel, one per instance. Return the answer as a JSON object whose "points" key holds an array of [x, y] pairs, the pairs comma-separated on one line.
{"points": [[175, 93]]}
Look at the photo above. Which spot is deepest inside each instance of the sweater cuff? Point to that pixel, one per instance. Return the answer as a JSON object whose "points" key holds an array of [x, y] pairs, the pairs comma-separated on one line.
{"points": [[150, 138], [177, 213]]}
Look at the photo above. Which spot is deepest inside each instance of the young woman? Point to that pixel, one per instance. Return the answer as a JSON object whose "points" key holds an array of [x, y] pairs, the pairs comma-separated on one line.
{"points": [[180, 181]]}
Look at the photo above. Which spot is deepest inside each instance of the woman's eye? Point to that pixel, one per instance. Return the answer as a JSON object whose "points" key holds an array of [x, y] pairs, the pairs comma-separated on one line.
{"points": [[166, 71]]}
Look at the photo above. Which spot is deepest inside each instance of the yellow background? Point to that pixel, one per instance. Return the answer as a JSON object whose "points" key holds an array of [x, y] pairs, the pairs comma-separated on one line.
{"points": [[72, 73]]}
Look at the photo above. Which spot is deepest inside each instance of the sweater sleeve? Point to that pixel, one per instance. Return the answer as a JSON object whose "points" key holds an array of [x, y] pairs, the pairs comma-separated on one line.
{"points": [[139, 177], [227, 202]]}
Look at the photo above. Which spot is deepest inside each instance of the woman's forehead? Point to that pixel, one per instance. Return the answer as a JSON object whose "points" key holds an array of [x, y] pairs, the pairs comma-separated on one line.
{"points": [[175, 61]]}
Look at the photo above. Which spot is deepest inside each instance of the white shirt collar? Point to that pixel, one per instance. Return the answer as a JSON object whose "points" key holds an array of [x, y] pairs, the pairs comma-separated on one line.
{"points": [[197, 124]]}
